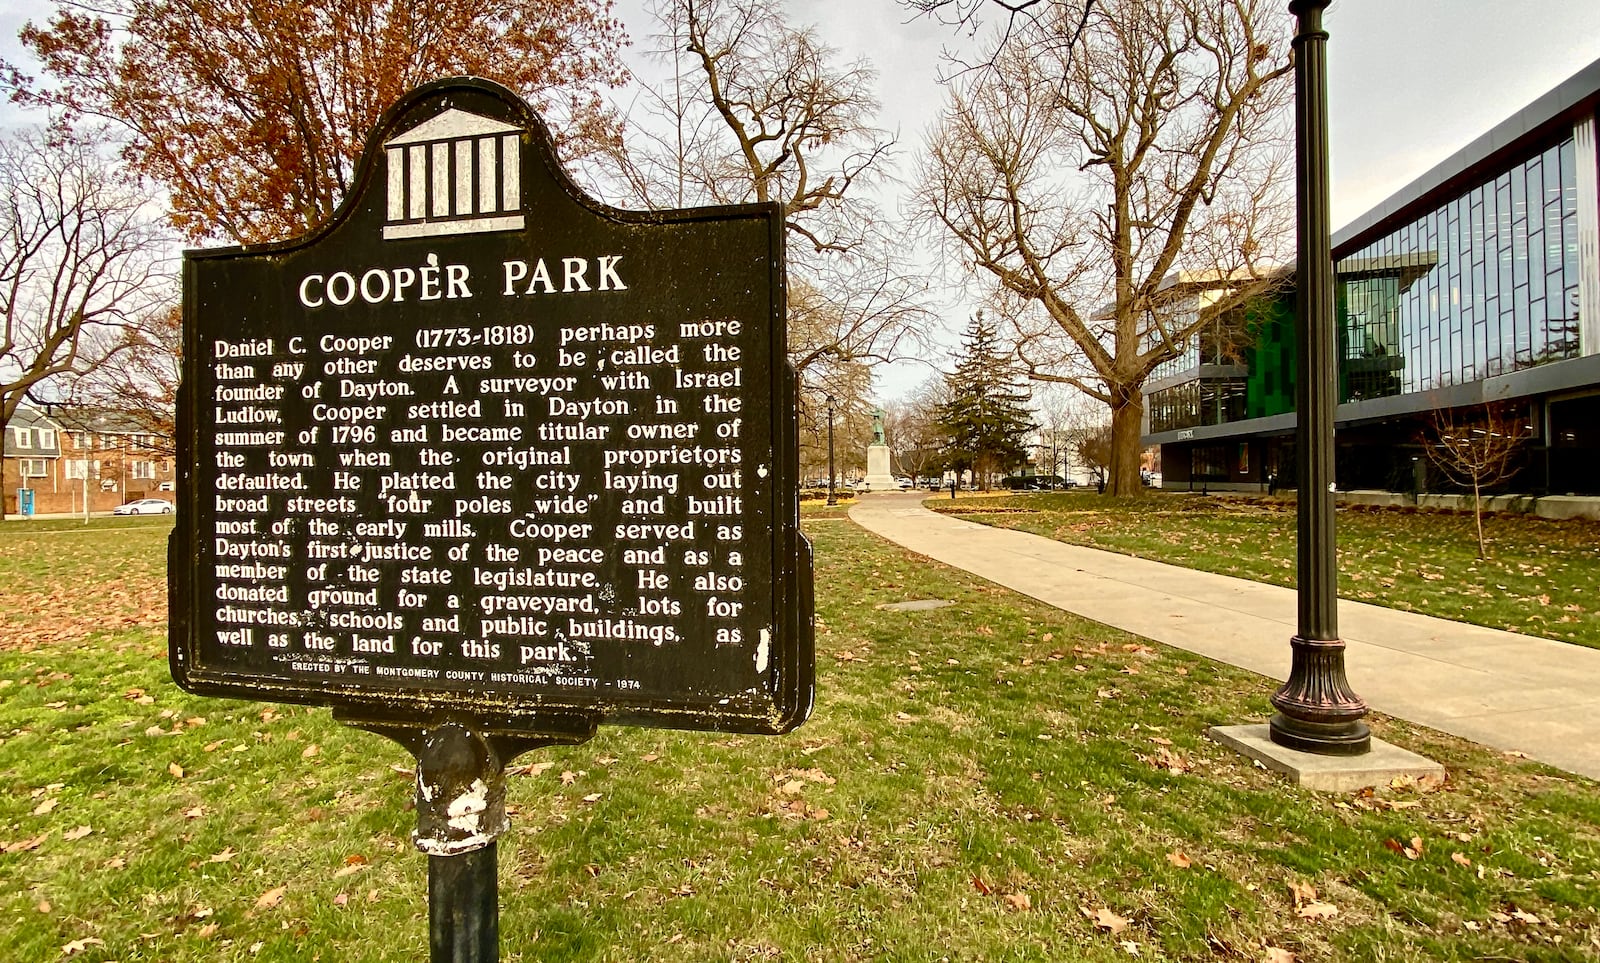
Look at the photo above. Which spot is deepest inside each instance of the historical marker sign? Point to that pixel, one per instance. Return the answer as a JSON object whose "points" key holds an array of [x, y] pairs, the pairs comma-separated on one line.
{"points": [[484, 448]]}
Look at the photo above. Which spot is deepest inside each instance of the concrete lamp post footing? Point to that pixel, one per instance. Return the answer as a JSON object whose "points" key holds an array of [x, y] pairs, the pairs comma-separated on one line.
{"points": [[1381, 765]]}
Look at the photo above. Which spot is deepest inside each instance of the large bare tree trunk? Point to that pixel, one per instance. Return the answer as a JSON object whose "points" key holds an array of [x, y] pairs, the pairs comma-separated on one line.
{"points": [[1127, 415]]}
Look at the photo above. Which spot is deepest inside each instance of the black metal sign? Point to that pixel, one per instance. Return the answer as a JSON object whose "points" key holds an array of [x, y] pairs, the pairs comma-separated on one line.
{"points": [[484, 447]]}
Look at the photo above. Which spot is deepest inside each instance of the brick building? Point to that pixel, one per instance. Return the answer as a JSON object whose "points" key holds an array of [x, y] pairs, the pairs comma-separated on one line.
{"points": [[67, 456]]}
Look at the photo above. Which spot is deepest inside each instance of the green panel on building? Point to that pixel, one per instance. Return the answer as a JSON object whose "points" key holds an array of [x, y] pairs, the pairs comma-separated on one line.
{"points": [[1269, 386]]}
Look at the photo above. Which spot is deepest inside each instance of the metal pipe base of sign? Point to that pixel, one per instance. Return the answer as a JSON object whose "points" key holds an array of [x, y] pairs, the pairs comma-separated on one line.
{"points": [[461, 811], [464, 907]]}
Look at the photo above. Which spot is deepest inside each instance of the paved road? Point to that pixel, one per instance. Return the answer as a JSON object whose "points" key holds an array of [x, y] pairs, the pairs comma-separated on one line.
{"points": [[1509, 691]]}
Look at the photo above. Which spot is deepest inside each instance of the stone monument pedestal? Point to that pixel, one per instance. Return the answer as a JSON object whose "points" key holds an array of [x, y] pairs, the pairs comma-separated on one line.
{"points": [[879, 479]]}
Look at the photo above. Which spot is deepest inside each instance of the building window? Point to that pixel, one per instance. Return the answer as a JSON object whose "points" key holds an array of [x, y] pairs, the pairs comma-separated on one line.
{"points": [[47, 437], [1175, 407], [1209, 462], [144, 470], [33, 467], [24, 437], [76, 467]]}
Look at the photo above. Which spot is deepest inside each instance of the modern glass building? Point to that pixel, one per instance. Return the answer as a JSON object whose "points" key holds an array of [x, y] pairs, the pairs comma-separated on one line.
{"points": [[1477, 283]]}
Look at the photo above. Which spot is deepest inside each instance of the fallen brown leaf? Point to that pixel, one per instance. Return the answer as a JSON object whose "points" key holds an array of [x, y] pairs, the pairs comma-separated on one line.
{"points": [[1179, 860], [1317, 910], [24, 845], [1173, 762], [271, 897], [1302, 892], [1104, 919], [1409, 852]]}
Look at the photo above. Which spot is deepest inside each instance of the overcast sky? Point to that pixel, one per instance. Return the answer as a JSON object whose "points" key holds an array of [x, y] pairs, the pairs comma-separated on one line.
{"points": [[1410, 81]]}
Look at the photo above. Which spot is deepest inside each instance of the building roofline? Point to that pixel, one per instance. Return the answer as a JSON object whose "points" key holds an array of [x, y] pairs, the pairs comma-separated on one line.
{"points": [[1569, 100]]}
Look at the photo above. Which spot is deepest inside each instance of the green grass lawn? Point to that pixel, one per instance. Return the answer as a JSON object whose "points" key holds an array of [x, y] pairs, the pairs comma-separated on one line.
{"points": [[994, 780], [1541, 578]]}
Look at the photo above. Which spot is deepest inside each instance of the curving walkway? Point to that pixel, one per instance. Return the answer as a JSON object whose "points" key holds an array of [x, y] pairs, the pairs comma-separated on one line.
{"points": [[1509, 691]]}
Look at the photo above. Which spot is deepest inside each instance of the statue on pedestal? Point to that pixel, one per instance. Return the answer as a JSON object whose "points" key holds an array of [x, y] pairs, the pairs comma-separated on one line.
{"points": [[879, 477]]}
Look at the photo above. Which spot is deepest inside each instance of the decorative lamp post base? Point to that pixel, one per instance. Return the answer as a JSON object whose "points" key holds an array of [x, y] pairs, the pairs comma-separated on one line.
{"points": [[1317, 710], [1342, 739]]}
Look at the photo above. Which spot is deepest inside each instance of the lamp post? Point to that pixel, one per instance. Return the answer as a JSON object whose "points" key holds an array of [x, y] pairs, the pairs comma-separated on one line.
{"points": [[832, 498], [1317, 710]]}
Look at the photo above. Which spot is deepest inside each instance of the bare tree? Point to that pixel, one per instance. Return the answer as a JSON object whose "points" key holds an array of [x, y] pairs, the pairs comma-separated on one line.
{"points": [[848, 385], [139, 377], [1058, 413], [1121, 194], [913, 430], [1056, 24], [1092, 444], [78, 257], [1477, 448], [759, 110]]}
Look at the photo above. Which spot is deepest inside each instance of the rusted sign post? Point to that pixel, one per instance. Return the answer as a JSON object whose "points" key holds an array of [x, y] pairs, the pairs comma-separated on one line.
{"points": [[482, 464]]}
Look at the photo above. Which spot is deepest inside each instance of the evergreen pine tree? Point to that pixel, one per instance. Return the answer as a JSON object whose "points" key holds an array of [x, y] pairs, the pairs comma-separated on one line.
{"points": [[985, 416]]}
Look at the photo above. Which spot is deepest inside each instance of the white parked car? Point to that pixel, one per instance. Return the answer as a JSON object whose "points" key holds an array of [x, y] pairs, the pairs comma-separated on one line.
{"points": [[145, 506]]}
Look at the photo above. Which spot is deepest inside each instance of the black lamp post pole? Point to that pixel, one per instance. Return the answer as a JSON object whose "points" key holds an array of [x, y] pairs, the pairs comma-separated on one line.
{"points": [[1317, 710], [832, 498]]}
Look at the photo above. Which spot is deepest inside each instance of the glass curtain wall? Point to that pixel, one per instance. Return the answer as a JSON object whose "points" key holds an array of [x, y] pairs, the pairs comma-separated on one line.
{"points": [[1483, 285]]}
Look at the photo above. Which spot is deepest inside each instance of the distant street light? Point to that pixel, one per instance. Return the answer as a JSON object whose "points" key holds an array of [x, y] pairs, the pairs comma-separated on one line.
{"points": [[832, 498], [1317, 710]]}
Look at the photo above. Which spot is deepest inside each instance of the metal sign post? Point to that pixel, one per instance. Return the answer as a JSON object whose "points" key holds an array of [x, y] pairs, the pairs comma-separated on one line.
{"points": [[483, 464]]}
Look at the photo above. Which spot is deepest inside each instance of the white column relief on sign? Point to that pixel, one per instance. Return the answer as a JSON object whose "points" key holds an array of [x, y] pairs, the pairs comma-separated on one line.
{"points": [[457, 173]]}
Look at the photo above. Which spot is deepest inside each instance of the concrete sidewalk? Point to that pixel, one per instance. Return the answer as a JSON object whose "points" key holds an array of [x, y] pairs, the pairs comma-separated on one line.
{"points": [[1509, 691]]}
